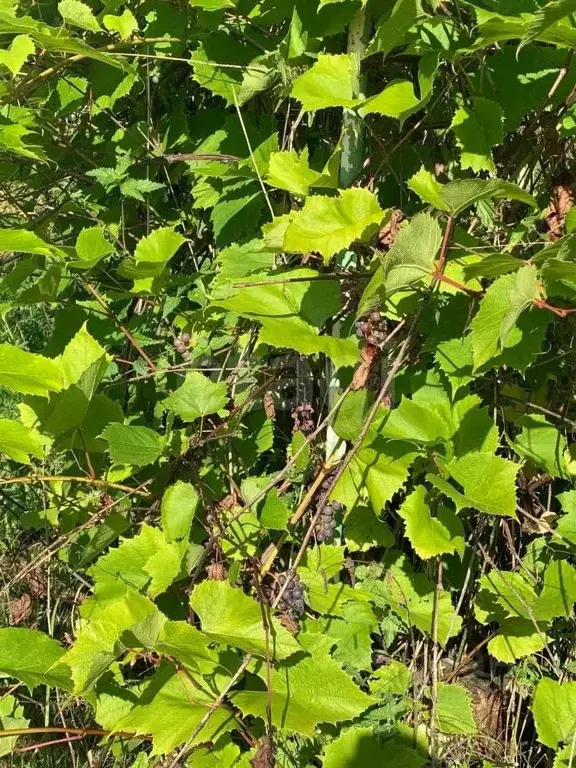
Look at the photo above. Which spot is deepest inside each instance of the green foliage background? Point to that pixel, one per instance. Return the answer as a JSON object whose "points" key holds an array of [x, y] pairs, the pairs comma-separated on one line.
{"points": [[201, 204]]}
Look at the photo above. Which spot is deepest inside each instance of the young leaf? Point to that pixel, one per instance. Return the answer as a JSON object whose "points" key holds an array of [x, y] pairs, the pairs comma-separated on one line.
{"points": [[91, 247], [179, 505], [78, 14], [500, 308], [231, 617], [394, 678], [136, 446], [328, 83], [125, 24], [392, 31], [14, 57], [330, 224], [290, 171], [198, 396], [158, 247], [428, 189]]}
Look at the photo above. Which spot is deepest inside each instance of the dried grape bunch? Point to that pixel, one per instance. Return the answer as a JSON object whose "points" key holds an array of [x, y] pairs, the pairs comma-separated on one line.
{"points": [[302, 417], [292, 601], [327, 522], [181, 345], [372, 328]]}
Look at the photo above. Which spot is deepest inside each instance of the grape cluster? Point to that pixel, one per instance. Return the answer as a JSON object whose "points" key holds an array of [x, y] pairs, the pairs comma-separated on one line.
{"points": [[302, 417], [181, 345], [292, 601], [327, 522], [372, 328]]}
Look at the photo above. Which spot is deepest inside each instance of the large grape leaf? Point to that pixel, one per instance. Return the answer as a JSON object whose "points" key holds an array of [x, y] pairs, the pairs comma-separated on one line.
{"points": [[542, 443], [411, 258], [310, 691], [330, 224], [19, 442], [179, 505], [23, 241], [169, 710], [231, 617], [516, 639], [130, 445], [32, 657]]}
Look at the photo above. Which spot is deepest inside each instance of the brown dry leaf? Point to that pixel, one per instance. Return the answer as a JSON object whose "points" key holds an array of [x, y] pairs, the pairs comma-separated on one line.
{"points": [[560, 204], [20, 609], [369, 354], [389, 231], [265, 755], [217, 571], [269, 409]]}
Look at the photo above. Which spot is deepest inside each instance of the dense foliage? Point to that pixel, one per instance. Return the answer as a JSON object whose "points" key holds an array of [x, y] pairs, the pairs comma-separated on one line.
{"points": [[287, 383]]}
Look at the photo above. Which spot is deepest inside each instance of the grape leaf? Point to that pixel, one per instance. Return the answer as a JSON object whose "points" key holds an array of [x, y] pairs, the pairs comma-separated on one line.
{"points": [[27, 373], [290, 171], [78, 14], [359, 747], [179, 505], [231, 617], [431, 536], [411, 258], [310, 691], [125, 24], [454, 710], [19, 442], [328, 83], [33, 657], [554, 711], [135, 446], [516, 639], [542, 443], [499, 310], [13, 58], [198, 396], [329, 224], [478, 128]]}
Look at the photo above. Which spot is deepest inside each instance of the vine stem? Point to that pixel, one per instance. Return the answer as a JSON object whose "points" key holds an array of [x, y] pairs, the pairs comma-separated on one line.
{"points": [[30, 479], [64, 729], [435, 663]]}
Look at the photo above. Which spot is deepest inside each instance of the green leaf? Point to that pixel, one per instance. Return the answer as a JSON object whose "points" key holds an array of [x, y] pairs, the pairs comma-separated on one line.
{"points": [[187, 645], [290, 171], [545, 17], [359, 747], [303, 694], [558, 593], [328, 83], [431, 536], [542, 443], [455, 197], [394, 678], [15, 57], [22, 241], [274, 514], [393, 30], [137, 188], [27, 373], [233, 618], [488, 482], [411, 258], [478, 128], [19, 442], [363, 530], [510, 592], [516, 639], [158, 247], [32, 657], [125, 24], [500, 308], [354, 634], [428, 189], [454, 710], [169, 709], [198, 396], [136, 446], [147, 561], [11, 718], [330, 224], [91, 247], [554, 712], [78, 14], [179, 505], [413, 421]]}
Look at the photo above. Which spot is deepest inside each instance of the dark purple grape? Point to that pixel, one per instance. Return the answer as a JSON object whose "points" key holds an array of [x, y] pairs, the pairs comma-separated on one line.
{"points": [[372, 328], [185, 338], [302, 418], [292, 600]]}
